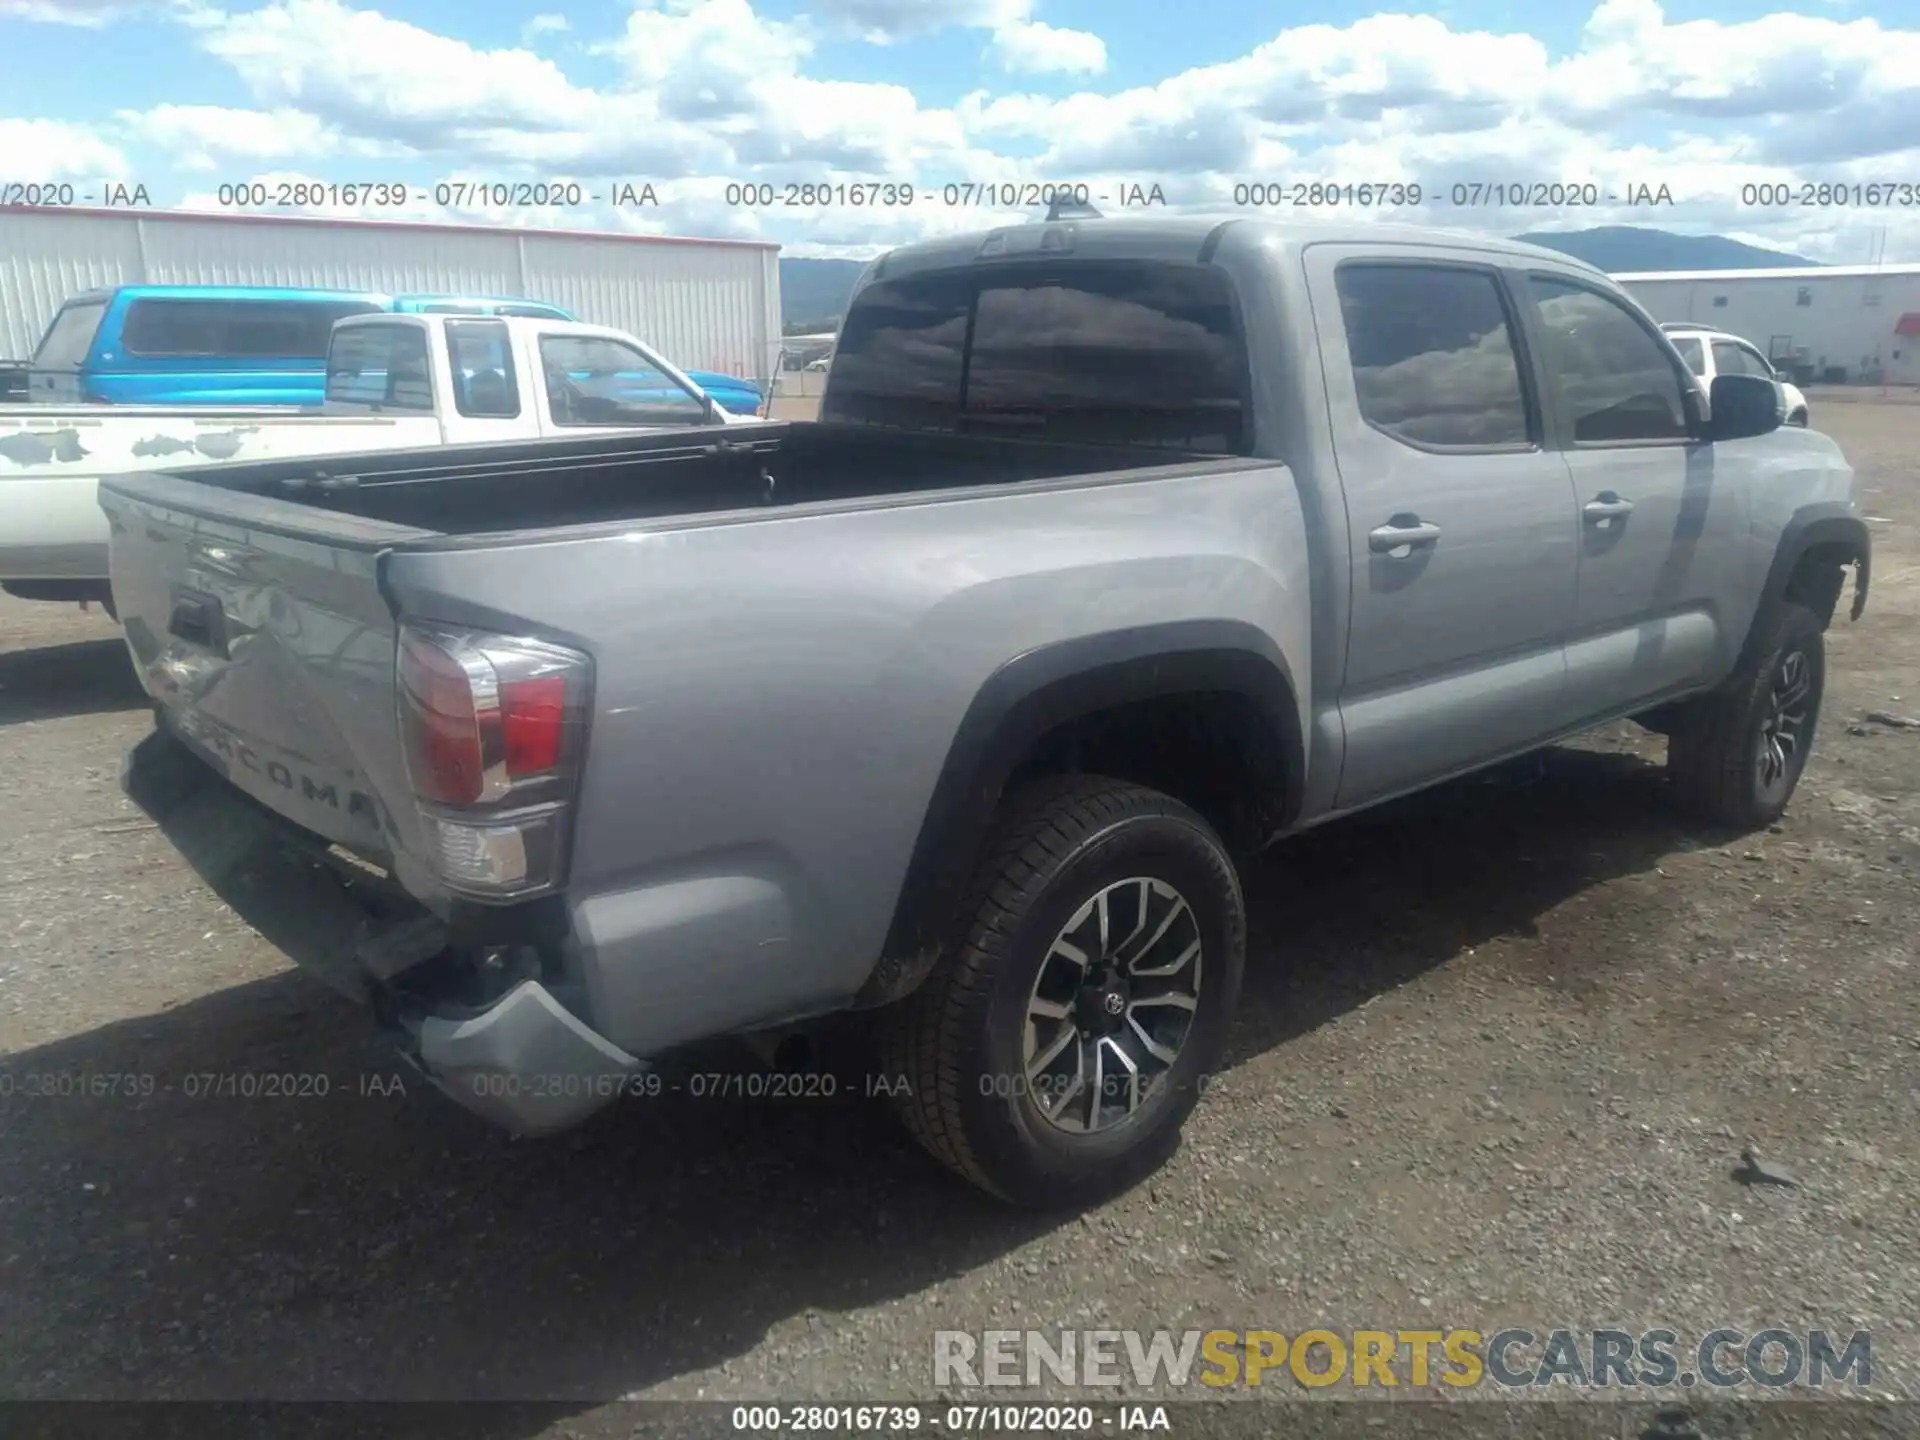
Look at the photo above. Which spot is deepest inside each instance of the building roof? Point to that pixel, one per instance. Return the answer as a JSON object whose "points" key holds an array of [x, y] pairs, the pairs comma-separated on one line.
{"points": [[144, 215], [1789, 272]]}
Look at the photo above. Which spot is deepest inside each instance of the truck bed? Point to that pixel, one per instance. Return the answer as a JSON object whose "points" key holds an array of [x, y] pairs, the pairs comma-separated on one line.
{"points": [[466, 490], [784, 627]]}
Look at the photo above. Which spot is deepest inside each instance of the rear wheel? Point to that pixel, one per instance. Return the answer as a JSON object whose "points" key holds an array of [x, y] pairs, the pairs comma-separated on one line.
{"points": [[1060, 1044], [1736, 755]]}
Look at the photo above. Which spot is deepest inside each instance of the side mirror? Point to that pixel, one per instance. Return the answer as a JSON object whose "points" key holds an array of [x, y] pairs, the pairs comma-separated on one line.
{"points": [[1743, 406]]}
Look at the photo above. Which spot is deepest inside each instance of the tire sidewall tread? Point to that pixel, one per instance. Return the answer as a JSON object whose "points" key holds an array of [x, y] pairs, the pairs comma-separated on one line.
{"points": [[1054, 847], [1712, 752]]}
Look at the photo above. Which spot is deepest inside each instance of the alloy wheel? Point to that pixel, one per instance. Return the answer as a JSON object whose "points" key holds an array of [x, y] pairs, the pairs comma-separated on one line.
{"points": [[1113, 1004], [1783, 725]]}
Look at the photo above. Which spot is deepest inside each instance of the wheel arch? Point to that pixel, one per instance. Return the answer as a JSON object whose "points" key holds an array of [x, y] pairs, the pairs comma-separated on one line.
{"points": [[1816, 545], [1045, 692]]}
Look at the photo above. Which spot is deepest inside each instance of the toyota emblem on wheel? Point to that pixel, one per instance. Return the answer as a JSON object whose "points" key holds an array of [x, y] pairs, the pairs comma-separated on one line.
{"points": [[1115, 1002]]}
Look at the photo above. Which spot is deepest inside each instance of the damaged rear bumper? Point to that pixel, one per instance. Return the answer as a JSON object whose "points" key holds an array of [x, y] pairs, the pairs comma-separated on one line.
{"points": [[519, 1058], [525, 1062]]}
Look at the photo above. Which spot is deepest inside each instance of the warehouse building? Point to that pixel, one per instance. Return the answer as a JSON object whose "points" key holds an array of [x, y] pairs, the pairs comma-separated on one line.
{"points": [[704, 304], [1837, 324]]}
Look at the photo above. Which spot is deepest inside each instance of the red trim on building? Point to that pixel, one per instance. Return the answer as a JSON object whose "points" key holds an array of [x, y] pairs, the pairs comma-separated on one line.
{"points": [[127, 212], [1908, 324]]}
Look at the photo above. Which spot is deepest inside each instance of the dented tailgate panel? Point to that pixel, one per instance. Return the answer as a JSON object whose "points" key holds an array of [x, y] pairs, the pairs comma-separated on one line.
{"points": [[272, 656]]}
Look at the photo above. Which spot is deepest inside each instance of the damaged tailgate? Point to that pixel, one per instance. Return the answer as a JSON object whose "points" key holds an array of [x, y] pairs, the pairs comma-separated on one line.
{"points": [[260, 631]]}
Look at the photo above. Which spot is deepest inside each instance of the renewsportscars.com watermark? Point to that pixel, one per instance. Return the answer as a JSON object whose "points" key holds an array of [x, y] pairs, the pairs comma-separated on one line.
{"points": [[1511, 1359]]}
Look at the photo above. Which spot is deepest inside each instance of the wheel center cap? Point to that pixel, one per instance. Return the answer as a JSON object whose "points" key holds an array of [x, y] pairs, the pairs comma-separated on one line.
{"points": [[1101, 1007]]}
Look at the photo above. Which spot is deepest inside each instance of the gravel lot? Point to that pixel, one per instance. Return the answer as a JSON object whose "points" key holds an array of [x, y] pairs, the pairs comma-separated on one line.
{"points": [[1499, 1054]]}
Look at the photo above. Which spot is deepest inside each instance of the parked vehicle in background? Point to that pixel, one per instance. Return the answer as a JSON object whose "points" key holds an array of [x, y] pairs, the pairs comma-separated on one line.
{"points": [[469, 305], [240, 345], [191, 345], [1123, 547], [1711, 353], [737, 396], [393, 382]]}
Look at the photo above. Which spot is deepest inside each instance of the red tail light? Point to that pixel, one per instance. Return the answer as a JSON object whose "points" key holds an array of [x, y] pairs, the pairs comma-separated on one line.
{"points": [[492, 729], [532, 721], [443, 724]]}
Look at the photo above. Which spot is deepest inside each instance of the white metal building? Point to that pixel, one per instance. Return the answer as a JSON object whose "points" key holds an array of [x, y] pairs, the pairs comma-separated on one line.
{"points": [[1844, 323], [704, 304]]}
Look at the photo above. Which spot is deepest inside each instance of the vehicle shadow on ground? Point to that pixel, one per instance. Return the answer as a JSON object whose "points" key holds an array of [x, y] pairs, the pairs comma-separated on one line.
{"points": [[1368, 903], [83, 677], [363, 1243]]}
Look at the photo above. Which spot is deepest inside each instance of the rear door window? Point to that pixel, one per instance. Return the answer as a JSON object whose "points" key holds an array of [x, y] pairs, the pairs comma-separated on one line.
{"points": [[238, 329], [384, 366], [481, 359], [69, 339], [1732, 358], [1123, 353]]}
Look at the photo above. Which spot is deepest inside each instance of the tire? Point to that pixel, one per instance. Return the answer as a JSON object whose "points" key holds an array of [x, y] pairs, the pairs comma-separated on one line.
{"points": [[1799, 417], [960, 1040], [1718, 752]]}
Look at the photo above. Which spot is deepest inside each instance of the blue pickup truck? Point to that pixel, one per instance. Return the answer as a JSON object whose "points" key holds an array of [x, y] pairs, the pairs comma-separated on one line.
{"points": [[241, 345]]}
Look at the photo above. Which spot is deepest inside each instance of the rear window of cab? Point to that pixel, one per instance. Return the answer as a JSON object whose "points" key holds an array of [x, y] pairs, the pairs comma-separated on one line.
{"points": [[1122, 353], [239, 329]]}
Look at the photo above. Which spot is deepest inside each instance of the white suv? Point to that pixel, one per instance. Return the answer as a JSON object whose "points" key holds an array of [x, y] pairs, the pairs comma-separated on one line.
{"points": [[1709, 352]]}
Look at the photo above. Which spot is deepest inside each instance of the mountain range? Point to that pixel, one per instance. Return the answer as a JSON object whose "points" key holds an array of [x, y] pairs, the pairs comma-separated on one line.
{"points": [[813, 293]]}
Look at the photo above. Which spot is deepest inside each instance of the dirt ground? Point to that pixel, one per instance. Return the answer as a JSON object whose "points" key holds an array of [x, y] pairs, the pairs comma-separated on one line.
{"points": [[1499, 1052]]}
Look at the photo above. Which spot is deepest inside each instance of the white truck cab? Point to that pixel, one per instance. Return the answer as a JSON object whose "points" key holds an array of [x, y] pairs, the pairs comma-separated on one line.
{"points": [[484, 378], [394, 382], [1710, 353]]}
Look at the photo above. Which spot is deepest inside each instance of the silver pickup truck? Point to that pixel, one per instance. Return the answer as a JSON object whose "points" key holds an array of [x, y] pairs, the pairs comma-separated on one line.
{"points": [[1121, 549]]}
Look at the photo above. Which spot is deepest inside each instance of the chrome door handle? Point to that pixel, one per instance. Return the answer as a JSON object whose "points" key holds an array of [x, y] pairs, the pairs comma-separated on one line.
{"points": [[1402, 531], [1607, 506]]}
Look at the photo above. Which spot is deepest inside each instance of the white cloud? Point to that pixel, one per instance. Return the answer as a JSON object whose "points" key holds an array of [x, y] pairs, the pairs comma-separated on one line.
{"points": [[1020, 43], [883, 22], [198, 134], [1036, 48], [61, 150], [711, 91], [82, 14]]}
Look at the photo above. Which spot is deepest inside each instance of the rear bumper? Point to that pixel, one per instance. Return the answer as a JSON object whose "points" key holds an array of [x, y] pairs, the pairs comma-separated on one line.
{"points": [[526, 1062], [523, 1060]]}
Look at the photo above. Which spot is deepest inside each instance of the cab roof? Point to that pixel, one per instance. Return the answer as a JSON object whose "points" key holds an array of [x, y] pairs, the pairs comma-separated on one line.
{"points": [[1186, 238], [229, 292]]}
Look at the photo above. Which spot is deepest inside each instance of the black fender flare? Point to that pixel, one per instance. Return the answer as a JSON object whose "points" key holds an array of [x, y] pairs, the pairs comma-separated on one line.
{"points": [[1035, 693], [1831, 522]]}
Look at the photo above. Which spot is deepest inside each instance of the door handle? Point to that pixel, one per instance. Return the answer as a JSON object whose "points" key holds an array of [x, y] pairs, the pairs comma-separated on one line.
{"points": [[1606, 506], [1402, 531]]}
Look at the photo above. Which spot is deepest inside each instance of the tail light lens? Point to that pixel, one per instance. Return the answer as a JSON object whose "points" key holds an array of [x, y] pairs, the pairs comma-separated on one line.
{"points": [[492, 727]]}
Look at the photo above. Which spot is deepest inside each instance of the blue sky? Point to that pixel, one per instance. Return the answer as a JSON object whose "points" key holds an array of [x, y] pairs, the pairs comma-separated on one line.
{"points": [[1709, 98]]}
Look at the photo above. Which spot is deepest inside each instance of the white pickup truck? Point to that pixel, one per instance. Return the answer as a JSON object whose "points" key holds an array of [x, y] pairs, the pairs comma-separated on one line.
{"points": [[394, 382]]}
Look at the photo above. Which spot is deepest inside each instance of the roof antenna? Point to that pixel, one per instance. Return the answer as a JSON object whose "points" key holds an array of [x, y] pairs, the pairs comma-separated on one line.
{"points": [[1065, 207]]}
